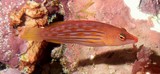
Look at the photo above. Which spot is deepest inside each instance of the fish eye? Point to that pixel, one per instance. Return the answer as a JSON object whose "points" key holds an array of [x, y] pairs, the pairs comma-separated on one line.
{"points": [[122, 36]]}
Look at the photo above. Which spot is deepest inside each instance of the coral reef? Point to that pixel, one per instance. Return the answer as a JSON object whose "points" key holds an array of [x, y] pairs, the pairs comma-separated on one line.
{"points": [[140, 19], [15, 16], [146, 63], [150, 6], [11, 46]]}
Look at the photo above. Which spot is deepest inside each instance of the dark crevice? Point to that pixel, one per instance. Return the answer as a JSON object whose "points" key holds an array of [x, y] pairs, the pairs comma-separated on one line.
{"points": [[2, 66], [46, 59]]}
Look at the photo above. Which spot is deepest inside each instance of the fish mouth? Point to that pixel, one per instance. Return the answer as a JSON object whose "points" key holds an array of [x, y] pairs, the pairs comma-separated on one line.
{"points": [[136, 40], [132, 39]]}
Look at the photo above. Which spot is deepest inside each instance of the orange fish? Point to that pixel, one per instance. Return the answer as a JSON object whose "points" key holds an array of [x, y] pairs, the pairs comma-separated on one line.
{"points": [[89, 33]]}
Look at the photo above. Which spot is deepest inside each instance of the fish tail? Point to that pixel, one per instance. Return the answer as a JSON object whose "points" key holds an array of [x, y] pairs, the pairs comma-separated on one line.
{"points": [[32, 34]]}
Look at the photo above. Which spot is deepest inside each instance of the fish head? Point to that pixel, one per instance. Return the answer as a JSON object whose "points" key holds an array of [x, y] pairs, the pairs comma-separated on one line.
{"points": [[120, 37]]}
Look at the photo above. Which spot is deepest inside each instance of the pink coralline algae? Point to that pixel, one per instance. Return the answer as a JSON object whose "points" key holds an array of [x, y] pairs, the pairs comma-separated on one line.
{"points": [[10, 45], [150, 6], [10, 71], [145, 64]]}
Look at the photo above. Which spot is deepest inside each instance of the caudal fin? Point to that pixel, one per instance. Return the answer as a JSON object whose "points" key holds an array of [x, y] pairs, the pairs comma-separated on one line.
{"points": [[32, 34]]}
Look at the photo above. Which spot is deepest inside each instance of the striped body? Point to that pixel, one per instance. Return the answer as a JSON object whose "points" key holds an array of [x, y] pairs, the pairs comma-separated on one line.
{"points": [[89, 33]]}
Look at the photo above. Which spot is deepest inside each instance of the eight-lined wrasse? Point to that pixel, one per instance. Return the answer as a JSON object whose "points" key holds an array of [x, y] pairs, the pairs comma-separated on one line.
{"points": [[89, 33]]}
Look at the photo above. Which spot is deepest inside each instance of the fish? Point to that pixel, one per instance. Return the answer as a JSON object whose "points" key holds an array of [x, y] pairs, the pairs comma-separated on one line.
{"points": [[83, 32]]}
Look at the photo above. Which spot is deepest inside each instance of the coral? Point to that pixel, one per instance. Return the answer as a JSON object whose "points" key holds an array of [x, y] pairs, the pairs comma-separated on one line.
{"points": [[32, 14], [146, 64], [11, 46], [35, 15], [150, 6], [77, 58], [14, 17], [10, 71]]}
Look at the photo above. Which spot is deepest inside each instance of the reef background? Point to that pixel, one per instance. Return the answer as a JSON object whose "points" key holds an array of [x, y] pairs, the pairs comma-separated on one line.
{"points": [[135, 16]]}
